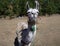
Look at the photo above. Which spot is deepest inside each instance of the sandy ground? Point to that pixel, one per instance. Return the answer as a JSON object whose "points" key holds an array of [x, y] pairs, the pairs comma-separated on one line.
{"points": [[48, 31]]}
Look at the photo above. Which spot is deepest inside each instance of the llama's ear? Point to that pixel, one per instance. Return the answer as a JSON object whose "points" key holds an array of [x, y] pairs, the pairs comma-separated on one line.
{"points": [[37, 4], [27, 5]]}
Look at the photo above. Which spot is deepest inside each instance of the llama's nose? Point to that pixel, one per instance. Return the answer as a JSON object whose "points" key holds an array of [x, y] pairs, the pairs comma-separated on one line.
{"points": [[34, 19]]}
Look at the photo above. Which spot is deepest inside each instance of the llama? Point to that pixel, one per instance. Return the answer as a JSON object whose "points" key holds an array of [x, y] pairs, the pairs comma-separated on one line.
{"points": [[29, 30]]}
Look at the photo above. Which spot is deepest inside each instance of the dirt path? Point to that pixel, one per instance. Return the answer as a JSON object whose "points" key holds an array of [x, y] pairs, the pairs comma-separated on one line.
{"points": [[48, 31]]}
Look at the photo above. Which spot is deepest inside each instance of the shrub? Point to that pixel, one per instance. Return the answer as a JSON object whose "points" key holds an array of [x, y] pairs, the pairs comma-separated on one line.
{"points": [[12, 7]]}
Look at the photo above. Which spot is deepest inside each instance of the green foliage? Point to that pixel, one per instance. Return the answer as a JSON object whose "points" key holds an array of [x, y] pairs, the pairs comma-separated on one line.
{"points": [[12, 7]]}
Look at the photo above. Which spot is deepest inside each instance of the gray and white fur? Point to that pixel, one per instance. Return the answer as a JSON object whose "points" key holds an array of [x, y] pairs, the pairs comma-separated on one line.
{"points": [[27, 35]]}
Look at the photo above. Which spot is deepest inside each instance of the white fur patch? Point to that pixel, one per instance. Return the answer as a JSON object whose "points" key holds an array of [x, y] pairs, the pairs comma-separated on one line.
{"points": [[22, 25]]}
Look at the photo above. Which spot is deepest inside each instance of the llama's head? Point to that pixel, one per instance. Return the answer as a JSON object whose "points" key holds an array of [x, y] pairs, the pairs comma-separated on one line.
{"points": [[32, 12]]}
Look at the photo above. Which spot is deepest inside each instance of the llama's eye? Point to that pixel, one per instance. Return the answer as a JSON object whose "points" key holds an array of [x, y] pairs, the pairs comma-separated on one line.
{"points": [[37, 12], [28, 12], [32, 13]]}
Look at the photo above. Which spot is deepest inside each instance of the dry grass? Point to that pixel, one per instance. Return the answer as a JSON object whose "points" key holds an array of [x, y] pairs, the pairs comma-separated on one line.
{"points": [[48, 31]]}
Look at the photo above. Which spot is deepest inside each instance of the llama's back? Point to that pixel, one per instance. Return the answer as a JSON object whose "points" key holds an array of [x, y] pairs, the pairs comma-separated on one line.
{"points": [[20, 27]]}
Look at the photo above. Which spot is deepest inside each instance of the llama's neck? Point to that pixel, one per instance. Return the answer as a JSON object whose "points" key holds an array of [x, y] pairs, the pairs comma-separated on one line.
{"points": [[32, 26]]}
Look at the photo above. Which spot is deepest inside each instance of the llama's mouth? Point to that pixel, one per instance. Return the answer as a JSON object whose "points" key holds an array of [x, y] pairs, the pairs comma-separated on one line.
{"points": [[32, 22], [32, 19]]}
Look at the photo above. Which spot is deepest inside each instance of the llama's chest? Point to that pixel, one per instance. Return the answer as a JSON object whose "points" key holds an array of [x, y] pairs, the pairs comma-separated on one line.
{"points": [[31, 35], [27, 36]]}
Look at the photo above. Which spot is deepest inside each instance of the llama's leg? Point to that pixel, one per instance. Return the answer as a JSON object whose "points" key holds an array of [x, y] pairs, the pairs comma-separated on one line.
{"points": [[29, 44], [26, 45], [19, 41], [20, 44]]}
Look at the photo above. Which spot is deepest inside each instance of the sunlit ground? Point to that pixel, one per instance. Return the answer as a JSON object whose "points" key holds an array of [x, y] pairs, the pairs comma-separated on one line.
{"points": [[48, 31]]}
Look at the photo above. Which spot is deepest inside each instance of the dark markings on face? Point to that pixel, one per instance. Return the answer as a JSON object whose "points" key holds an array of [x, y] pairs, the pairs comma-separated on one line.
{"points": [[32, 14]]}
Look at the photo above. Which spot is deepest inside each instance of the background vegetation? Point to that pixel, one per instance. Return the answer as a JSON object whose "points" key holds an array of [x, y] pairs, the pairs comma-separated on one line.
{"points": [[17, 7]]}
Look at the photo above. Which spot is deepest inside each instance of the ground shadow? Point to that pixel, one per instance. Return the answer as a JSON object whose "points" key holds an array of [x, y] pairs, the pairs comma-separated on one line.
{"points": [[16, 43]]}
